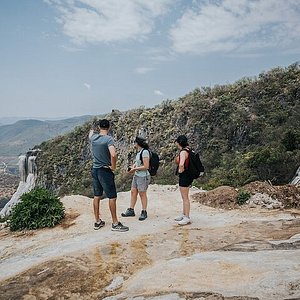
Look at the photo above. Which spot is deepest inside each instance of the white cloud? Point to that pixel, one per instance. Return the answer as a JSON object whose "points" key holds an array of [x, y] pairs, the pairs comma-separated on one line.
{"points": [[87, 85], [94, 21], [237, 25], [143, 70], [158, 92]]}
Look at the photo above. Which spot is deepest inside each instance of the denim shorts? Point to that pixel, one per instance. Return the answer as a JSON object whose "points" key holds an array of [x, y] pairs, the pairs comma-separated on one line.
{"points": [[104, 180], [141, 183]]}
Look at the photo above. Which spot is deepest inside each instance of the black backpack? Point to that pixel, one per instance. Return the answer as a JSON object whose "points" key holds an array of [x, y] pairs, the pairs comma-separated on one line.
{"points": [[153, 162], [195, 166]]}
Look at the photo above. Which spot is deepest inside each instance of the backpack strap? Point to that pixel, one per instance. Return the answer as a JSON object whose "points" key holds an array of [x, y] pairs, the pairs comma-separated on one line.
{"points": [[141, 155]]}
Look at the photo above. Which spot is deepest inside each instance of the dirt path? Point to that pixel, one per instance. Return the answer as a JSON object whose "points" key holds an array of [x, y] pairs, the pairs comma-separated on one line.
{"points": [[249, 254]]}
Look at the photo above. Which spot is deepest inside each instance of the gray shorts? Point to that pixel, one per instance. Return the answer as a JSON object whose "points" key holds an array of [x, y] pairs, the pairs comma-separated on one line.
{"points": [[140, 183]]}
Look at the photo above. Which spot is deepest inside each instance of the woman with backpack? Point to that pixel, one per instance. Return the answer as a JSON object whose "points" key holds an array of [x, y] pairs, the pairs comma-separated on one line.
{"points": [[185, 179], [140, 180]]}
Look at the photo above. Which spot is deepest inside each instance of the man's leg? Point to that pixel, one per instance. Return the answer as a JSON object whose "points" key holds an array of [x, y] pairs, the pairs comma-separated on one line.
{"points": [[113, 210], [98, 191], [108, 183], [97, 208]]}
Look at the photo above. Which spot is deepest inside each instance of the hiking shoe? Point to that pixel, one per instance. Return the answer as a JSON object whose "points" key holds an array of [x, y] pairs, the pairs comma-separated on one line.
{"points": [[128, 213], [119, 227], [99, 225], [179, 218], [185, 220], [143, 215]]}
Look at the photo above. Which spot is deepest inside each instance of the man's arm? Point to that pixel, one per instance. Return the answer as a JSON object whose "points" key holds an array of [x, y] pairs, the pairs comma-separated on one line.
{"points": [[113, 156]]}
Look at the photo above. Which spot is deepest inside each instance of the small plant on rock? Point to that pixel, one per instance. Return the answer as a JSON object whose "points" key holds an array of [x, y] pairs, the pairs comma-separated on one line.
{"points": [[39, 208], [242, 197]]}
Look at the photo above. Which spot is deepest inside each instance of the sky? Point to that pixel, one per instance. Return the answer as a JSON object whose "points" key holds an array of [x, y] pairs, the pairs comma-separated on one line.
{"points": [[64, 58]]}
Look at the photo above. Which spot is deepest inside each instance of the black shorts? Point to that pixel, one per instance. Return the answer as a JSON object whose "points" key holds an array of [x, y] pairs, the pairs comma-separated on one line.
{"points": [[185, 179], [104, 180]]}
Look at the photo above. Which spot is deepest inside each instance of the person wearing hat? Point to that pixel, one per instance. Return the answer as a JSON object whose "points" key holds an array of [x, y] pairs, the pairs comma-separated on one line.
{"points": [[104, 163], [141, 179]]}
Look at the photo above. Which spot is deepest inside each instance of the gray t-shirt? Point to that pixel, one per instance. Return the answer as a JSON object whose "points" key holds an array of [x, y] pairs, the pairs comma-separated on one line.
{"points": [[100, 151], [138, 163]]}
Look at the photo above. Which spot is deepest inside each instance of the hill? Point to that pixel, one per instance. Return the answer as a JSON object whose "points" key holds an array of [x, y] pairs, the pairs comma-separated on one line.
{"points": [[24, 134], [245, 131]]}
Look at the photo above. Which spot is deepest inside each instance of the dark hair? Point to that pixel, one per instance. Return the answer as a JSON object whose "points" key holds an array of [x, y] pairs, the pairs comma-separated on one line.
{"points": [[104, 124], [141, 142], [182, 141]]}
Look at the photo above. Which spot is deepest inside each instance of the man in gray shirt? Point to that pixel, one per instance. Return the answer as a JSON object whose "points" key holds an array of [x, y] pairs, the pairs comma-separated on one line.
{"points": [[104, 163]]}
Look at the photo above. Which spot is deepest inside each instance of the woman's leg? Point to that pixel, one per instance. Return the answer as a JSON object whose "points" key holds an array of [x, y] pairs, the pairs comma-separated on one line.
{"points": [[184, 191], [133, 197], [144, 200]]}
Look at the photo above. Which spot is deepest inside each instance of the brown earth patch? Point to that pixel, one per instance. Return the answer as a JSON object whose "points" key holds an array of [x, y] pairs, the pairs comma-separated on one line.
{"points": [[220, 197], [225, 196]]}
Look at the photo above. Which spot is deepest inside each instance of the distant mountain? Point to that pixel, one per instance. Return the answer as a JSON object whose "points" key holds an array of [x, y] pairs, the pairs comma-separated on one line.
{"points": [[24, 134]]}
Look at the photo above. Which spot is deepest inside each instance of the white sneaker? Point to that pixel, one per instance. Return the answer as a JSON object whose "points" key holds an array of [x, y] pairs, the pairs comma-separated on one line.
{"points": [[179, 218], [185, 220]]}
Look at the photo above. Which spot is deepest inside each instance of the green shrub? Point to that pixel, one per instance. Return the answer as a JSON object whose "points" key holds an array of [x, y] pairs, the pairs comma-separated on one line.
{"points": [[242, 197], [39, 208]]}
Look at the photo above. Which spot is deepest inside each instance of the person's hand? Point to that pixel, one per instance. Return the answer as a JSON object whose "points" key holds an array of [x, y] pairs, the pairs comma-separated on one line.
{"points": [[180, 169], [131, 171], [113, 169]]}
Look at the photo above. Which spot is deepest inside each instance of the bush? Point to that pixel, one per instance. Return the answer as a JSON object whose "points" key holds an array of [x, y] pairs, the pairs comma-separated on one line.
{"points": [[242, 197], [39, 208]]}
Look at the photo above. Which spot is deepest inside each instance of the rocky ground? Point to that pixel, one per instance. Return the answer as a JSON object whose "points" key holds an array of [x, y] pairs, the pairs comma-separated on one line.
{"points": [[248, 253]]}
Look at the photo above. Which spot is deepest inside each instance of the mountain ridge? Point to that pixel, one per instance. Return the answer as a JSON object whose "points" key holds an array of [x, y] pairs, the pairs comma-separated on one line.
{"points": [[18, 137]]}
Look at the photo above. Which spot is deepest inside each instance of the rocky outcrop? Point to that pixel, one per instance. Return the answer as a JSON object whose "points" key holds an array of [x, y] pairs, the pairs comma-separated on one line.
{"points": [[28, 173]]}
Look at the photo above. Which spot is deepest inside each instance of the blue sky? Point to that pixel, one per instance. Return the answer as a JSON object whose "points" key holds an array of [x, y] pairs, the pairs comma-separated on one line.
{"points": [[62, 58]]}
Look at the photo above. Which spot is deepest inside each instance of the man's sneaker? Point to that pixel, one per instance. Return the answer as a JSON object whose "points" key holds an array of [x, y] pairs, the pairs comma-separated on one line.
{"points": [[119, 227], [185, 220], [179, 218], [128, 213], [99, 225], [143, 215]]}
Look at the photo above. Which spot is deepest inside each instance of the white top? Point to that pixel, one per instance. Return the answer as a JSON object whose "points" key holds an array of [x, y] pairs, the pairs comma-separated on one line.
{"points": [[138, 163]]}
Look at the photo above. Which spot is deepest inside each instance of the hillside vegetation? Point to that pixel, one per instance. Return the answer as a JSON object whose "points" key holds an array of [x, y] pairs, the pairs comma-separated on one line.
{"points": [[245, 131]]}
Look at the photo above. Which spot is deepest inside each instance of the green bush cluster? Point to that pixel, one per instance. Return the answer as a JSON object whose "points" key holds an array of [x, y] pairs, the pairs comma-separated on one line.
{"points": [[242, 197], [39, 208]]}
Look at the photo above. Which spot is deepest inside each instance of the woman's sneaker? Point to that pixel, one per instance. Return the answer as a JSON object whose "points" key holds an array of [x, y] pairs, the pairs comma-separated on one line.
{"points": [[119, 227], [99, 225], [143, 215], [185, 220], [179, 218], [128, 213]]}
